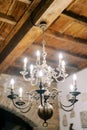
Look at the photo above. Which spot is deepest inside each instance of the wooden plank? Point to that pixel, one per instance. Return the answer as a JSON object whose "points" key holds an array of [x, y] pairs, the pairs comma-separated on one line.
{"points": [[7, 19], [58, 6], [21, 21], [25, 1], [1, 38], [66, 44], [11, 7]]}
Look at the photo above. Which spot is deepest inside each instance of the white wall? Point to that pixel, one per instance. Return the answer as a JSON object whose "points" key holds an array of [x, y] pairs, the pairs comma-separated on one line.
{"points": [[80, 106]]}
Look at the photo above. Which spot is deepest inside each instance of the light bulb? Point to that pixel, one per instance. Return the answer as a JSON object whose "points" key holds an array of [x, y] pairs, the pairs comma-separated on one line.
{"points": [[31, 68], [25, 64], [63, 65], [71, 87], [60, 56], [12, 83], [74, 79], [38, 53], [60, 59], [20, 92], [40, 73]]}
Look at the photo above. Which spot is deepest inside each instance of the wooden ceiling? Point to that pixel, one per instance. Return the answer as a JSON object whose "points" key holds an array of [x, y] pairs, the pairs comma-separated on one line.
{"points": [[21, 36]]}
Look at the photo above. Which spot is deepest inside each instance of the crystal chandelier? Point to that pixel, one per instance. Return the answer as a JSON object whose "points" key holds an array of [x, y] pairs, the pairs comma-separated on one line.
{"points": [[43, 75]]}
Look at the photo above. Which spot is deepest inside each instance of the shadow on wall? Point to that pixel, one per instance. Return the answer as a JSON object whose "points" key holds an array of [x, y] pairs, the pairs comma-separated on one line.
{"points": [[9, 121]]}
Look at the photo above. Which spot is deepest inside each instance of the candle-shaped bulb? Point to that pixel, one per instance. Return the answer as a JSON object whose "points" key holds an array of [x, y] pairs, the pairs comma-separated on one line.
{"points": [[60, 59], [38, 57], [12, 83], [25, 64], [60, 56], [40, 73], [72, 87], [20, 92], [31, 68], [74, 79], [38, 54], [63, 65]]}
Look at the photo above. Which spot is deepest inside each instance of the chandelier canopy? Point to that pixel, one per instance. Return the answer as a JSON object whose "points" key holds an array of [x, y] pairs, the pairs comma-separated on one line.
{"points": [[43, 75]]}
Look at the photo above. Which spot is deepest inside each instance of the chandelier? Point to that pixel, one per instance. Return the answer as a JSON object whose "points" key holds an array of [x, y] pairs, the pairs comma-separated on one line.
{"points": [[43, 75]]}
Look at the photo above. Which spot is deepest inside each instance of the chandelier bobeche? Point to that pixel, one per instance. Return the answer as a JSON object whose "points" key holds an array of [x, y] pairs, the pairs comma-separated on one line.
{"points": [[43, 75]]}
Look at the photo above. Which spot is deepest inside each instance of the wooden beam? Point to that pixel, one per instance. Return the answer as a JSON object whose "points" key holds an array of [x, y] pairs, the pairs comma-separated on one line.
{"points": [[49, 15], [52, 12], [76, 16], [25, 1], [7, 19]]}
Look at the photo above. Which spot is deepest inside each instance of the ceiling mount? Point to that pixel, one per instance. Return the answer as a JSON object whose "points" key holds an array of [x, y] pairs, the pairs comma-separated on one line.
{"points": [[43, 25]]}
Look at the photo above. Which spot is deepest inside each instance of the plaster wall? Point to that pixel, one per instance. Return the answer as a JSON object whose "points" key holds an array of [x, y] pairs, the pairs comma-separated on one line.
{"points": [[80, 106]]}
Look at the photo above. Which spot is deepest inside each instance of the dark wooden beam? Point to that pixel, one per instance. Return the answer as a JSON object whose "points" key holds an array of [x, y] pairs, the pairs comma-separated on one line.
{"points": [[75, 16], [36, 14]]}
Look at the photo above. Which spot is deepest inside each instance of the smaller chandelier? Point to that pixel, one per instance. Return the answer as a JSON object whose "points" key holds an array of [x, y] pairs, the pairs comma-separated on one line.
{"points": [[42, 75]]}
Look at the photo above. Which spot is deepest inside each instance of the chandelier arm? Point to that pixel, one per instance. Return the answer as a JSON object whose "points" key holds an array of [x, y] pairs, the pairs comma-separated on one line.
{"points": [[32, 82], [21, 107], [68, 105], [24, 77], [54, 76], [67, 110], [30, 79], [25, 111]]}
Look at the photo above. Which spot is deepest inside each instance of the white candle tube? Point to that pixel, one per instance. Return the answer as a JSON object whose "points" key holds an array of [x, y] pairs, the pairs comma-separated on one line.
{"points": [[31, 69], [40, 73], [12, 83], [60, 59], [25, 64], [72, 87], [20, 92], [38, 55], [74, 79], [63, 65]]}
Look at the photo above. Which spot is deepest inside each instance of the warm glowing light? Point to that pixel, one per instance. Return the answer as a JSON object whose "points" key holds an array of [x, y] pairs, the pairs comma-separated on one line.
{"points": [[38, 53], [12, 83], [40, 73], [74, 79], [20, 92], [60, 59], [60, 56], [38, 57], [71, 87], [63, 65], [25, 63]]}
